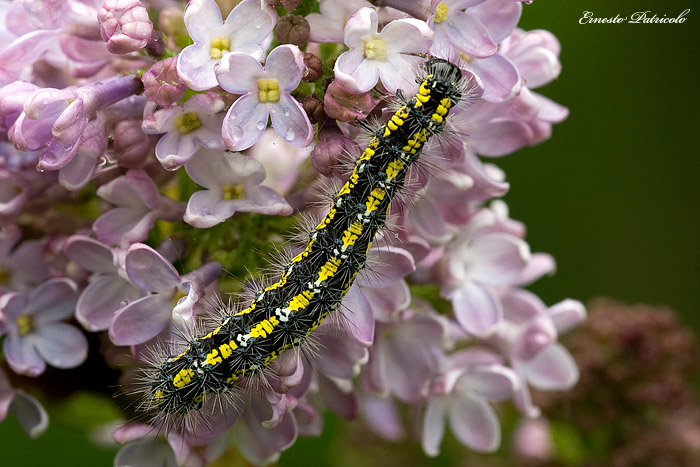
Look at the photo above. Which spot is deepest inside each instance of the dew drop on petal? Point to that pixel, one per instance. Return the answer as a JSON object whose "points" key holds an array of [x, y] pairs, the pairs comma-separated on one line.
{"points": [[289, 135], [286, 112], [236, 132], [260, 125]]}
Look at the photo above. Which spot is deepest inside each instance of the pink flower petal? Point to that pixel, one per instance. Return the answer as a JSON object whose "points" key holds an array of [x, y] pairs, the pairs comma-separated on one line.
{"points": [[434, 426], [412, 35], [101, 298], [399, 72], [553, 369], [497, 259], [388, 264], [61, 345], [154, 451], [53, 300], [475, 424], [90, 254], [22, 356], [468, 35], [149, 271], [249, 25], [134, 189], [238, 73], [202, 19], [355, 73], [245, 122], [567, 314], [358, 316], [206, 208], [493, 382], [123, 225], [476, 309], [291, 122], [286, 63], [362, 23], [499, 76], [30, 414], [141, 320], [498, 138], [77, 173], [195, 67], [174, 150], [499, 18]]}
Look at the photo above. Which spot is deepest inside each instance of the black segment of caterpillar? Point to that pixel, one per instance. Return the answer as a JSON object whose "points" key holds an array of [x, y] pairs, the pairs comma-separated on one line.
{"points": [[314, 282]]}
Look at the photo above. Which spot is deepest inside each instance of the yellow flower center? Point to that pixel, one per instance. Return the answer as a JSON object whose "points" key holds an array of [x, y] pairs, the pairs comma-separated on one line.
{"points": [[178, 295], [375, 49], [187, 122], [24, 325], [233, 192], [440, 13], [466, 58], [219, 45], [268, 90]]}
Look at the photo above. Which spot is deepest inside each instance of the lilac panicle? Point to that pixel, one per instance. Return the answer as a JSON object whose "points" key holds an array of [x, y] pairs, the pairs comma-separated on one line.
{"points": [[124, 25], [70, 106]]}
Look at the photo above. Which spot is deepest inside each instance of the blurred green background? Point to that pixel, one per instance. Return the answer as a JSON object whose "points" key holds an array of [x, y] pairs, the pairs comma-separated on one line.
{"points": [[613, 196]]}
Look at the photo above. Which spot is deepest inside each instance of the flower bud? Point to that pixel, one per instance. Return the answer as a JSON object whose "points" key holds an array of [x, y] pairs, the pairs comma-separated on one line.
{"points": [[314, 109], [162, 84], [156, 44], [346, 106], [293, 29], [314, 67], [131, 145], [124, 25], [329, 151]]}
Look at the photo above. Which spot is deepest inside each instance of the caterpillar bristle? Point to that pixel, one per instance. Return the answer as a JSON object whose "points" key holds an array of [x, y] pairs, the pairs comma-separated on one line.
{"points": [[198, 380]]}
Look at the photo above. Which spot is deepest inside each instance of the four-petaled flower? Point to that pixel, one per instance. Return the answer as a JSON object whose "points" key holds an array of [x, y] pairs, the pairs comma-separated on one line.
{"points": [[197, 123], [35, 334], [389, 56], [232, 183], [266, 94]]}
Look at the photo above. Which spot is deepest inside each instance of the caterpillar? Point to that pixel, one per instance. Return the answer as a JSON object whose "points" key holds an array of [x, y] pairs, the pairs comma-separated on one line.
{"points": [[314, 282]]}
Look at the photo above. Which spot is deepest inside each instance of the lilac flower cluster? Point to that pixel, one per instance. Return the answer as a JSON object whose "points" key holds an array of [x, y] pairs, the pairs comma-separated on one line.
{"points": [[101, 232]]}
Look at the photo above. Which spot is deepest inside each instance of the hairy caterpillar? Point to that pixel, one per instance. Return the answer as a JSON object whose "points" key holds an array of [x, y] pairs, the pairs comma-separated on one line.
{"points": [[313, 284]]}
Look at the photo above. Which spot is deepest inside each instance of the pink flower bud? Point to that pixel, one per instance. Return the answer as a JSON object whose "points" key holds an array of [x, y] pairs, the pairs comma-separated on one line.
{"points": [[124, 25], [131, 145], [161, 83], [346, 106]]}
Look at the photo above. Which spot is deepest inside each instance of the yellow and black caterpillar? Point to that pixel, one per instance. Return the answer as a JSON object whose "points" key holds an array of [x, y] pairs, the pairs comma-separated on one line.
{"points": [[314, 282]]}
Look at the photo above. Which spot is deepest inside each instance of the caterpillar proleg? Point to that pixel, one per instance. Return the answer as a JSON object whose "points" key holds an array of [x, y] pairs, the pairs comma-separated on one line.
{"points": [[313, 283]]}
